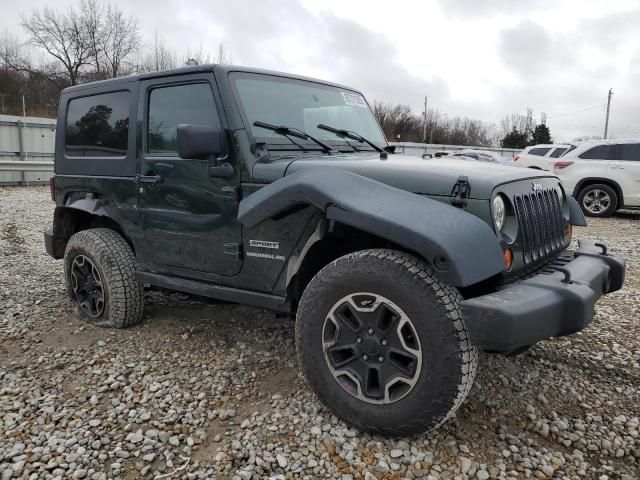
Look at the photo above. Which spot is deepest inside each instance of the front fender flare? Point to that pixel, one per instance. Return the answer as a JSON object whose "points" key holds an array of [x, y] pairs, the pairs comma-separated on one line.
{"points": [[461, 248]]}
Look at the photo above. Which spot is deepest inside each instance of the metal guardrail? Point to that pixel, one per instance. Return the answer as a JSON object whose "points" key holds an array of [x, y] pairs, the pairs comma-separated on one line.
{"points": [[25, 166], [26, 150]]}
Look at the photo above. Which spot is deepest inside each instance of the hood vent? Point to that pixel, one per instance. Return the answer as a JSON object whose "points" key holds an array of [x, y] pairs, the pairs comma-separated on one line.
{"points": [[461, 190]]}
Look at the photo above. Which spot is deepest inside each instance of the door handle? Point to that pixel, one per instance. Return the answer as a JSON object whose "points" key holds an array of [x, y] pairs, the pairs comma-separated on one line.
{"points": [[617, 167], [148, 179], [221, 170]]}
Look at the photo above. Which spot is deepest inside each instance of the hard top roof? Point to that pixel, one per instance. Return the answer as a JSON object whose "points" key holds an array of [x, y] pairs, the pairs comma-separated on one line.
{"points": [[115, 82]]}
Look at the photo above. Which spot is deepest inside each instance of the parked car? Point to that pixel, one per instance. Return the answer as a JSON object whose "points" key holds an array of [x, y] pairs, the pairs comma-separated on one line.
{"points": [[541, 156], [480, 155], [603, 175], [442, 153], [281, 191]]}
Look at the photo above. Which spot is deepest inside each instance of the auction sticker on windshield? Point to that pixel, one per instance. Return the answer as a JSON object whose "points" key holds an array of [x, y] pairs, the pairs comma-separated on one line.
{"points": [[354, 99]]}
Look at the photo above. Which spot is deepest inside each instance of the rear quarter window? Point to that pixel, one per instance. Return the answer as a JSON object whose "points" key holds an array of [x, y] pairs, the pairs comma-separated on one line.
{"points": [[557, 153], [98, 125], [601, 152], [629, 152], [539, 151]]}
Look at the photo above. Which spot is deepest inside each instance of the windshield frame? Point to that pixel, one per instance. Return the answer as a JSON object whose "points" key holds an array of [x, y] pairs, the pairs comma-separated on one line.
{"points": [[281, 143]]}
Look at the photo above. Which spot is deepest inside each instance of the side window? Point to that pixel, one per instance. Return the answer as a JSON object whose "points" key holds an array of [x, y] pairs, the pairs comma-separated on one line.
{"points": [[601, 152], [629, 151], [557, 153], [98, 126], [171, 106], [539, 151]]}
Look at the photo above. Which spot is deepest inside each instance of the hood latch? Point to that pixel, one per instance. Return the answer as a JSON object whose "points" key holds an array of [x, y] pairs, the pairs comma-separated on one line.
{"points": [[461, 190]]}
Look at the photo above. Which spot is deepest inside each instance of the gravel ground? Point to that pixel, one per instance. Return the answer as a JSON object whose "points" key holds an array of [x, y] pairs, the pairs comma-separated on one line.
{"points": [[207, 390]]}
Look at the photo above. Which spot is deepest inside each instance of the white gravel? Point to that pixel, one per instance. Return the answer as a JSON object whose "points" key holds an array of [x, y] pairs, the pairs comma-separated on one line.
{"points": [[206, 390]]}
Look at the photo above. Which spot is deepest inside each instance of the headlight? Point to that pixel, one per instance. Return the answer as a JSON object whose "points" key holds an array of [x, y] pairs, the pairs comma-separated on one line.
{"points": [[498, 212]]}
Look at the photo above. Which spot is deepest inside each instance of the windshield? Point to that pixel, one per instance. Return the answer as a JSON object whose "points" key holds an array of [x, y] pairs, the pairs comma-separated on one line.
{"points": [[303, 105]]}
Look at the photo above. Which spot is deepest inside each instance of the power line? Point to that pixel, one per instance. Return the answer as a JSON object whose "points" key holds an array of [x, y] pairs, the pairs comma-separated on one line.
{"points": [[577, 111]]}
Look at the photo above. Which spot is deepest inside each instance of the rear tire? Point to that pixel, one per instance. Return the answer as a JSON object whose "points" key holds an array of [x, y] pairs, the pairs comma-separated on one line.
{"points": [[398, 300], [100, 271], [598, 200]]}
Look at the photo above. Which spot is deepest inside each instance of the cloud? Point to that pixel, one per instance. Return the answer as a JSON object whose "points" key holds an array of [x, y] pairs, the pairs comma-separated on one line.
{"points": [[474, 8], [480, 59], [526, 48]]}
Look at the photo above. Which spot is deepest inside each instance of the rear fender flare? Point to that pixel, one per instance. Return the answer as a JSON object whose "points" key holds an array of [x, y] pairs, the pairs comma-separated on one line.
{"points": [[461, 248], [67, 216]]}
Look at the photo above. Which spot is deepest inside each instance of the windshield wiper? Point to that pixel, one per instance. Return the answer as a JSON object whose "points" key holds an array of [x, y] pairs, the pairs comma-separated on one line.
{"points": [[293, 132], [349, 134]]}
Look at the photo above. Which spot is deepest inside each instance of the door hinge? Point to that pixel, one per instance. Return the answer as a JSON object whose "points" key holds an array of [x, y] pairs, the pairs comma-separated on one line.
{"points": [[231, 193], [461, 190], [233, 249]]}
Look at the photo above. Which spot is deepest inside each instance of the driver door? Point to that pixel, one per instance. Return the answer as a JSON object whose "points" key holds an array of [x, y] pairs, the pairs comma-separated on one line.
{"points": [[188, 216]]}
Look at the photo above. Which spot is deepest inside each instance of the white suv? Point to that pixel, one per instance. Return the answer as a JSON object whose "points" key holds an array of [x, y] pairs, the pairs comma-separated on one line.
{"points": [[603, 175], [541, 156]]}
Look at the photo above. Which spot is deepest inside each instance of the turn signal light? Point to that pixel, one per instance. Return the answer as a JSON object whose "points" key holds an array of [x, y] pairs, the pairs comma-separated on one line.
{"points": [[508, 258], [561, 165]]}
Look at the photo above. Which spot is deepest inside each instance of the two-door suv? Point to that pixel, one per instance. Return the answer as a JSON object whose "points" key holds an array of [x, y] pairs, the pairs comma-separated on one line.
{"points": [[281, 191]]}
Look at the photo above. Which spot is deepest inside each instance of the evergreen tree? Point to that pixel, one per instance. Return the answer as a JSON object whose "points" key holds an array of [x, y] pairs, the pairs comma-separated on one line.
{"points": [[514, 139], [541, 135]]}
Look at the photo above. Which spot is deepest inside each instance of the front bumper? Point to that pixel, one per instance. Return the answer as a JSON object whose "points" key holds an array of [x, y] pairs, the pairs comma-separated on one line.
{"points": [[558, 301]]}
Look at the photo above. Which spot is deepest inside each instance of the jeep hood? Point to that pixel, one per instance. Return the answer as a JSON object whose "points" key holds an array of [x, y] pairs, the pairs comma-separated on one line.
{"points": [[414, 174]]}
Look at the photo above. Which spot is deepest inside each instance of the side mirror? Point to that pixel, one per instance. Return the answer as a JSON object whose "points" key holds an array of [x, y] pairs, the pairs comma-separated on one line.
{"points": [[425, 156], [199, 142]]}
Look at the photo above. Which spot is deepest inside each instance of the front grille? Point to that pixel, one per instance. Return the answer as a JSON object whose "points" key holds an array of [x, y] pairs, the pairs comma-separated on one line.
{"points": [[541, 224]]}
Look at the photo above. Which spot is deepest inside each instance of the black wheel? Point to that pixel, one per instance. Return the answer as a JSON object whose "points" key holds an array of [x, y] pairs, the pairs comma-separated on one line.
{"points": [[100, 270], [383, 344], [598, 200]]}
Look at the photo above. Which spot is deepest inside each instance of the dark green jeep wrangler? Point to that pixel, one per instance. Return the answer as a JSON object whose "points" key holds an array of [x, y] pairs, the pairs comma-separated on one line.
{"points": [[280, 191]]}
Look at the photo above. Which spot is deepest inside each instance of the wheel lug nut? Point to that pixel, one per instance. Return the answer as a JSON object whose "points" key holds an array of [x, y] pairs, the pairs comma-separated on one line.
{"points": [[370, 331], [359, 340], [365, 357], [381, 359], [384, 343]]}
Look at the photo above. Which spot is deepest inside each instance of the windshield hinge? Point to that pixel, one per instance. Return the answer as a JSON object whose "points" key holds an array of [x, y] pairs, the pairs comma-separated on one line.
{"points": [[461, 190]]}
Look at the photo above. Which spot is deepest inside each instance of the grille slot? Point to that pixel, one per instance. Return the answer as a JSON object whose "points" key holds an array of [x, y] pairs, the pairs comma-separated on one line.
{"points": [[541, 224]]}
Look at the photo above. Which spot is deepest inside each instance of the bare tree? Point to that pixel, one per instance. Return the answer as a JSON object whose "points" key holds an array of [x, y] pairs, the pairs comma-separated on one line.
{"points": [[200, 57], [158, 56], [121, 41], [63, 36], [222, 57], [197, 57], [515, 121], [399, 123], [91, 15]]}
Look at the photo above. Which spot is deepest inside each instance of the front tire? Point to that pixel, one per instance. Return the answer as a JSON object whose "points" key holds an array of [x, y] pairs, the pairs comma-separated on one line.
{"points": [[598, 200], [100, 268], [382, 343]]}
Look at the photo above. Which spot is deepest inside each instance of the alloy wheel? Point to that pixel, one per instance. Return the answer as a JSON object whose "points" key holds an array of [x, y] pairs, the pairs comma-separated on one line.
{"points": [[372, 348], [596, 201], [87, 286]]}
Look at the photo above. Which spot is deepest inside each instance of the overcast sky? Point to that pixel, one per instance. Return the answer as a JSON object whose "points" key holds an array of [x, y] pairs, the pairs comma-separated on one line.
{"points": [[482, 59]]}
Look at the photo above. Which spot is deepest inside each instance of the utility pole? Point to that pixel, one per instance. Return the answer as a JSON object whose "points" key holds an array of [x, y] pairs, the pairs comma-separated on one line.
{"points": [[606, 122], [424, 127]]}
